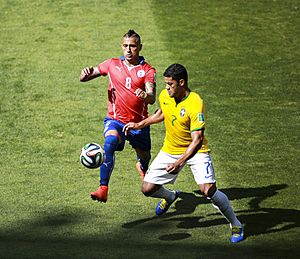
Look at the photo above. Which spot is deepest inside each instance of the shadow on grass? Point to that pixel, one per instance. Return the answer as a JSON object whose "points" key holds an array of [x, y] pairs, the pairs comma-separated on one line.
{"points": [[50, 236], [47, 236], [256, 220]]}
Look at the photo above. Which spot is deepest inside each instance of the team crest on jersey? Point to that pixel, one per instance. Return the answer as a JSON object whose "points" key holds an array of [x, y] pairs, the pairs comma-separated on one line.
{"points": [[140, 73], [182, 112]]}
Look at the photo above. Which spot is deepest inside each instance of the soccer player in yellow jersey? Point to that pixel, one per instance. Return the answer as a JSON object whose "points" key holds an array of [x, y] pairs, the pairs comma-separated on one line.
{"points": [[183, 113]]}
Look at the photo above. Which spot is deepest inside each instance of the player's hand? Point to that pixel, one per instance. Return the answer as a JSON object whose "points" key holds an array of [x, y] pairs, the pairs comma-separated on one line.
{"points": [[86, 72], [173, 168], [140, 93], [128, 127]]}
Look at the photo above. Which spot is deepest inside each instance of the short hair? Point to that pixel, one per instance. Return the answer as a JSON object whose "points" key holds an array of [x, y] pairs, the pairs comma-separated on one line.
{"points": [[177, 72], [132, 33]]}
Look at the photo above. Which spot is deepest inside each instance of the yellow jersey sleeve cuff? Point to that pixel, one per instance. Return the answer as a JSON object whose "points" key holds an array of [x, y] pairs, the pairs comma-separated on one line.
{"points": [[197, 129]]}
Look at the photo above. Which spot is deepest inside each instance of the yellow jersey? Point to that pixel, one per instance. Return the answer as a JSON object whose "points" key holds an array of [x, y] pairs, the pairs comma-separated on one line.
{"points": [[180, 120]]}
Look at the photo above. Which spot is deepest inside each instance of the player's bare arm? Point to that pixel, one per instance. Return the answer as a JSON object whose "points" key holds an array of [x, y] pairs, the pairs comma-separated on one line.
{"points": [[157, 117], [196, 144], [150, 92], [149, 95], [89, 73]]}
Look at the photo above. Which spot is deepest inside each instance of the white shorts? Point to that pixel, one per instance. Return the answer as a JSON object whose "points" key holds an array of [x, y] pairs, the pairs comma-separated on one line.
{"points": [[200, 164]]}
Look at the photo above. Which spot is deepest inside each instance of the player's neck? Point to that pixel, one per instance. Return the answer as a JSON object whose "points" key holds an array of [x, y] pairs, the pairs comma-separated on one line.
{"points": [[182, 96], [132, 63]]}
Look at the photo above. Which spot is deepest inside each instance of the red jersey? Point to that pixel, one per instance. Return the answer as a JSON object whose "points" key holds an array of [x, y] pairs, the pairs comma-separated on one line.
{"points": [[123, 104]]}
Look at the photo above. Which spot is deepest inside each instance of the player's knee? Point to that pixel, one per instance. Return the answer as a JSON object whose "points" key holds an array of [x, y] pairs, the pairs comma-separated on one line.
{"points": [[208, 190], [111, 143], [146, 189]]}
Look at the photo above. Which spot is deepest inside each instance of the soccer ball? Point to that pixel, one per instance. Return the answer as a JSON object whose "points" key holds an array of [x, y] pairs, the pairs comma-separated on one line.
{"points": [[92, 155]]}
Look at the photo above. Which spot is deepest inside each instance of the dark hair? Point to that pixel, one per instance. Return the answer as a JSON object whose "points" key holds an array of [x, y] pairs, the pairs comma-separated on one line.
{"points": [[132, 33], [177, 72]]}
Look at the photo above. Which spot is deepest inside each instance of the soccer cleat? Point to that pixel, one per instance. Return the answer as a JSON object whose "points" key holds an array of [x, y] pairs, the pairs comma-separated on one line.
{"points": [[163, 205], [237, 234], [100, 194], [141, 172]]}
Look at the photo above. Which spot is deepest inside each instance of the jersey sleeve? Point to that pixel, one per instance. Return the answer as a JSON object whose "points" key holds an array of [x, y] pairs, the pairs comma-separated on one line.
{"points": [[104, 67], [197, 116], [151, 76]]}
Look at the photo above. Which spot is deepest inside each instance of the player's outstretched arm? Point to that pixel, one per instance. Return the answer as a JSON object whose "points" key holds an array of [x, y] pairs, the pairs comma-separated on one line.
{"points": [[89, 73], [157, 117]]}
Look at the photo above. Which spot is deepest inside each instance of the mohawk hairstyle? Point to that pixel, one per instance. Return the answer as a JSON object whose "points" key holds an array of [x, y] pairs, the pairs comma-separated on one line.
{"points": [[132, 33]]}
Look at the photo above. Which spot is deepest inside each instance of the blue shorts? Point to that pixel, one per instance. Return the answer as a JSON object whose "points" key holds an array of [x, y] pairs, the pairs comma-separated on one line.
{"points": [[137, 138]]}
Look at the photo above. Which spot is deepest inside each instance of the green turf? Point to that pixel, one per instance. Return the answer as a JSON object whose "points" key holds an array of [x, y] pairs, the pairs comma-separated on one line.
{"points": [[242, 57]]}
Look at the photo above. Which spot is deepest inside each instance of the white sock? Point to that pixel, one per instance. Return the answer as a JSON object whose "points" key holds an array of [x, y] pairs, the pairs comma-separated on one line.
{"points": [[222, 203], [164, 193]]}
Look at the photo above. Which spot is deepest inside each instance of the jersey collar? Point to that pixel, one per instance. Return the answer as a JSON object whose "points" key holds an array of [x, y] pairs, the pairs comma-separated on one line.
{"points": [[141, 61]]}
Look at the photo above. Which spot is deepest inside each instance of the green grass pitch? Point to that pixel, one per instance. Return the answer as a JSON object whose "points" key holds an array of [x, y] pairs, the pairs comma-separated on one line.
{"points": [[242, 57]]}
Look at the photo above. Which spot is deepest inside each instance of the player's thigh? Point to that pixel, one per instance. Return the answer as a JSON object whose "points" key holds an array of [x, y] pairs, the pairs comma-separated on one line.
{"points": [[112, 133], [140, 140], [157, 173], [114, 128], [202, 168]]}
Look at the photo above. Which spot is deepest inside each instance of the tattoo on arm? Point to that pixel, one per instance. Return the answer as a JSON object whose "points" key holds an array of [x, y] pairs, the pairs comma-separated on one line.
{"points": [[150, 88]]}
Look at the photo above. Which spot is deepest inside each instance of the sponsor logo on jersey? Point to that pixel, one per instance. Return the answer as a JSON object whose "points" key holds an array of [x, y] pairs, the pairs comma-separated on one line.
{"points": [[140, 73], [182, 112], [119, 68]]}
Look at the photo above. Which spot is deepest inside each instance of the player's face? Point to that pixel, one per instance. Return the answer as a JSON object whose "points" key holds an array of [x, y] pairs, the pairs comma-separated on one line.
{"points": [[172, 87], [131, 49]]}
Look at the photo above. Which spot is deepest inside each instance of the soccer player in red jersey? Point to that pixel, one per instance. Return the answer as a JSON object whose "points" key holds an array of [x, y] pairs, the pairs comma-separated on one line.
{"points": [[131, 88]]}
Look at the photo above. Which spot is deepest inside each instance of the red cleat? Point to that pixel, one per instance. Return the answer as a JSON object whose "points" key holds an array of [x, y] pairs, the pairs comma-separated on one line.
{"points": [[100, 194], [141, 172]]}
